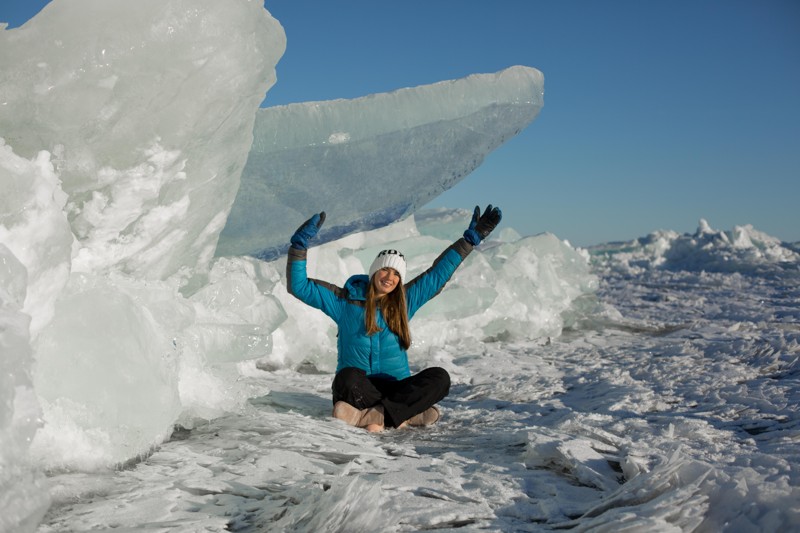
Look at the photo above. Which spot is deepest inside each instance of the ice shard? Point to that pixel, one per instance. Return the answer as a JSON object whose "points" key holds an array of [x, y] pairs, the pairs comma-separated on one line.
{"points": [[371, 160], [123, 131], [148, 110]]}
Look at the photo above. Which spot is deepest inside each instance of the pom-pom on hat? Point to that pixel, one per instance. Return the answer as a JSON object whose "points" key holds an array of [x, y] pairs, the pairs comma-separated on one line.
{"points": [[391, 259]]}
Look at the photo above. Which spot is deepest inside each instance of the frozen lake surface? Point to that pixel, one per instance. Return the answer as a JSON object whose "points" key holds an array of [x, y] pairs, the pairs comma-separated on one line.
{"points": [[678, 414]]}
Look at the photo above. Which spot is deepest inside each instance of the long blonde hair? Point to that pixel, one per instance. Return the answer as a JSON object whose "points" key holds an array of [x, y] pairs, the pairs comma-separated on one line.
{"points": [[394, 310]]}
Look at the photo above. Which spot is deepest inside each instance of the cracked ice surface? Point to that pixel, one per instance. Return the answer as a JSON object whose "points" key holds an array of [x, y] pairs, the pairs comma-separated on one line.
{"points": [[677, 412]]}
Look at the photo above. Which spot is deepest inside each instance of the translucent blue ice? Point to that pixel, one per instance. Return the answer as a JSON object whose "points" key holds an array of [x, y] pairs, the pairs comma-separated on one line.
{"points": [[371, 160]]}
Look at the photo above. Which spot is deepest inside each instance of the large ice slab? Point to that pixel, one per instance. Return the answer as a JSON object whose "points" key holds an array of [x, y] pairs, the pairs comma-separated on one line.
{"points": [[373, 160], [123, 131], [148, 108]]}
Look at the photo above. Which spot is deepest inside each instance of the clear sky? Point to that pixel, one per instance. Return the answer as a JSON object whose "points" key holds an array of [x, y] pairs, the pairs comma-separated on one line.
{"points": [[657, 113]]}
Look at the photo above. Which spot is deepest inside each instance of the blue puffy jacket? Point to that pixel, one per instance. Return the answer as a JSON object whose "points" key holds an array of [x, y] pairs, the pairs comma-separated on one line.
{"points": [[379, 355]]}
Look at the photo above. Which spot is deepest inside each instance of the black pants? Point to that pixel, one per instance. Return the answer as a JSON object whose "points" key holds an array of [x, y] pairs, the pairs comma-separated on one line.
{"points": [[401, 399]]}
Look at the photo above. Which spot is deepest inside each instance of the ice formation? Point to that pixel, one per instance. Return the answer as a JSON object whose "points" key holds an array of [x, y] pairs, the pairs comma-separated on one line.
{"points": [[124, 133], [148, 112], [743, 249], [125, 129], [381, 156]]}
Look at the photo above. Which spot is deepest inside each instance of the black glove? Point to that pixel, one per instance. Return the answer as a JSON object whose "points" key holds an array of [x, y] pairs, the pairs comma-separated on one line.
{"points": [[306, 231], [482, 225]]}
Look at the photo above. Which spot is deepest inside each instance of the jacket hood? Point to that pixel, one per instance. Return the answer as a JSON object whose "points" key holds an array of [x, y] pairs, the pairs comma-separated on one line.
{"points": [[356, 287]]}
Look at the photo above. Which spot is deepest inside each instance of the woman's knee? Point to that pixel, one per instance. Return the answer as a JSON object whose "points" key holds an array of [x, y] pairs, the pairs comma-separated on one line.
{"points": [[352, 386], [440, 376], [349, 374]]}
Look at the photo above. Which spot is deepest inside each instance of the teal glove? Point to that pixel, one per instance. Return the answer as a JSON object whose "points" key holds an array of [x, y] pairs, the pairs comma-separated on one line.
{"points": [[482, 225], [307, 231]]}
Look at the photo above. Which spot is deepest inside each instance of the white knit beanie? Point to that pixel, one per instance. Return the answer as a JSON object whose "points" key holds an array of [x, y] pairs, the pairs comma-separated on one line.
{"points": [[392, 259]]}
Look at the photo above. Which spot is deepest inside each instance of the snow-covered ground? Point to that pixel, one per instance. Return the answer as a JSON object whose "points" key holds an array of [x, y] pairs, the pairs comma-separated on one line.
{"points": [[671, 406]]}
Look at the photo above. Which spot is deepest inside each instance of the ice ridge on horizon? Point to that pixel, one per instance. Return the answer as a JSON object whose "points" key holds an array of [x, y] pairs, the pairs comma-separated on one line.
{"points": [[743, 249]]}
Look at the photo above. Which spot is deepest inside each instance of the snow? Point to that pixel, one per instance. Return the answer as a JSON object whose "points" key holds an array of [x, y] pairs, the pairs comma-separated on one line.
{"points": [[670, 405], [146, 384]]}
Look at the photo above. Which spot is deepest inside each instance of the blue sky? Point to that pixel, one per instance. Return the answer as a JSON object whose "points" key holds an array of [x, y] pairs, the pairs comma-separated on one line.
{"points": [[656, 113]]}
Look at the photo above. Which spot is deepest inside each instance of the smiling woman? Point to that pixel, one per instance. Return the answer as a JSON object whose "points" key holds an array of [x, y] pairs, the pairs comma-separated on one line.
{"points": [[385, 280], [373, 387], [387, 271], [388, 267]]}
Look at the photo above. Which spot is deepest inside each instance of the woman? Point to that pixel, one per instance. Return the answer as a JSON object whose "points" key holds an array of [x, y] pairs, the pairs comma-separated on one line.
{"points": [[373, 387]]}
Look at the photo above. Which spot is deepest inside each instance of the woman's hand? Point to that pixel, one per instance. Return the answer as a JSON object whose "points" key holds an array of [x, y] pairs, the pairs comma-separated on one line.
{"points": [[482, 225], [307, 231]]}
